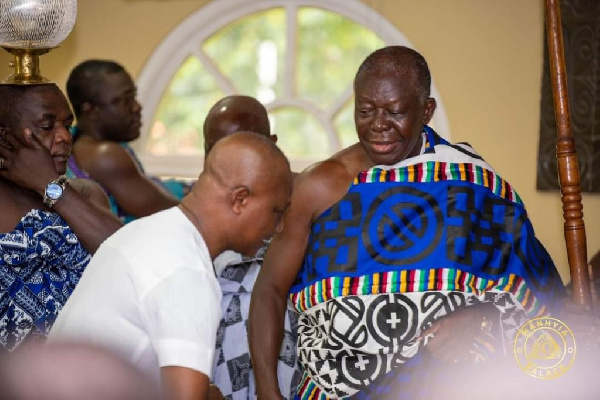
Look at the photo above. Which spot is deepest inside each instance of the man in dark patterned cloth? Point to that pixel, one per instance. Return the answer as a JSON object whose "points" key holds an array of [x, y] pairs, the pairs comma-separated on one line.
{"points": [[404, 254], [232, 372]]}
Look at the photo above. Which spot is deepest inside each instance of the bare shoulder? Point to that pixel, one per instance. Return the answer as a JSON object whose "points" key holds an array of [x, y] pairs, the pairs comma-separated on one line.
{"points": [[104, 157], [91, 191], [324, 183]]}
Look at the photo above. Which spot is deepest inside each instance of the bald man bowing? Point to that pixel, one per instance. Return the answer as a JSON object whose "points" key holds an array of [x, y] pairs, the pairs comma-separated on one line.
{"points": [[150, 292]]}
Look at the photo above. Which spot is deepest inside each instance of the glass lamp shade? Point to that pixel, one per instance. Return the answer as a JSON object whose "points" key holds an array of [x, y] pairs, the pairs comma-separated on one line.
{"points": [[29, 28]]}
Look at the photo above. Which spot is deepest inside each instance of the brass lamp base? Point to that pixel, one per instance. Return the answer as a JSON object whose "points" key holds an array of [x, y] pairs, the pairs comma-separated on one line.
{"points": [[27, 67]]}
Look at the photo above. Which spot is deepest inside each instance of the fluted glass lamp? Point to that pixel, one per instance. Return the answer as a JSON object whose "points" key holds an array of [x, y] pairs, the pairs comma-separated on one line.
{"points": [[30, 28]]}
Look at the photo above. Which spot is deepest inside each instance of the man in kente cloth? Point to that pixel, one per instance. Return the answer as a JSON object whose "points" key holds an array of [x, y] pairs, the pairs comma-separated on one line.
{"points": [[404, 254]]}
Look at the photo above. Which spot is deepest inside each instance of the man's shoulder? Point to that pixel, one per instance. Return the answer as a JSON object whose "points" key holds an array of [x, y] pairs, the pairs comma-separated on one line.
{"points": [[324, 183], [323, 178], [338, 170], [341, 166], [104, 156], [104, 148], [165, 236]]}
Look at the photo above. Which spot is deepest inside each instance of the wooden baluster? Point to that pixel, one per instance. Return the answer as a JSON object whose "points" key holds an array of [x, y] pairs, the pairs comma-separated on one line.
{"points": [[568, 169]]}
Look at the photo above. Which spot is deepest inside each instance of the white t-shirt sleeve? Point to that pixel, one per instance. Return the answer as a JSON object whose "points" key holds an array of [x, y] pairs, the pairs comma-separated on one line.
{"points": [[182, 314]]}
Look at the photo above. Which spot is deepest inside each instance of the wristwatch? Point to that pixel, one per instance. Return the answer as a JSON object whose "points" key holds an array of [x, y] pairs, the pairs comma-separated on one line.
{"points": [[54, 190]]}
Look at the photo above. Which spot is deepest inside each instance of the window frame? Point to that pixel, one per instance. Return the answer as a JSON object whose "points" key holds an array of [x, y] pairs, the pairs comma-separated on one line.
{"points": [[186, 38]]}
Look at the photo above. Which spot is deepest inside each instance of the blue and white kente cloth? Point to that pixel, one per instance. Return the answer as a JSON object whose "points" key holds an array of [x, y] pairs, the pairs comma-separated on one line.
{"points": [[406, 245], [232, 370], [41, 261]]}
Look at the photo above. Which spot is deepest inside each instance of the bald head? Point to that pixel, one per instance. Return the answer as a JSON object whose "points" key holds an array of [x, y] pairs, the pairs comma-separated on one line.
{"points": [[234, 114], [247, 159], [398, 61], [242, 193]]}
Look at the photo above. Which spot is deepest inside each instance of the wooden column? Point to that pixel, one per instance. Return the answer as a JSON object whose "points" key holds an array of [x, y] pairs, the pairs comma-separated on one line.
{"points": [[568, 169]]}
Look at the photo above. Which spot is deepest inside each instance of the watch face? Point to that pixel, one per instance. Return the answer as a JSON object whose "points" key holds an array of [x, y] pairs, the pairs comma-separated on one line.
{"points": [[54, 191]]}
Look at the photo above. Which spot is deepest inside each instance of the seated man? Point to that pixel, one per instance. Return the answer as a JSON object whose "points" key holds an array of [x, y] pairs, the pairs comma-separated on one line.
{"points": [[150, 292], [232, 371], [103, 96], [49, 226], [399, 251]]}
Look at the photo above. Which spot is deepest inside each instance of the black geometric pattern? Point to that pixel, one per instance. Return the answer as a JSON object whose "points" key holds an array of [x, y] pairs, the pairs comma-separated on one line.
{"points": [[233, 313], [348, 343], [335, 237], [239, 368], [232, 369], [403, 226], [485, 229]]}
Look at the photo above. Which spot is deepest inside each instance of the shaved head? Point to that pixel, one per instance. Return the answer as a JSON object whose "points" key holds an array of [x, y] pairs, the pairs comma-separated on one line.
{"points": [[242, 194], [398, 61], [234, 114], [247, 159]]}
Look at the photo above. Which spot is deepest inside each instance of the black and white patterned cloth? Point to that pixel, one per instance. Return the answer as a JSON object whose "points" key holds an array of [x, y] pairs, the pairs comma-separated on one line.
{"points": [[232, 371]]}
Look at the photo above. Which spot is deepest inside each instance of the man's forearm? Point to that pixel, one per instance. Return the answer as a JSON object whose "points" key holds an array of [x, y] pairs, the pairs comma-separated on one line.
{"points": [[180, 383], [266, 333], [90, 223]]}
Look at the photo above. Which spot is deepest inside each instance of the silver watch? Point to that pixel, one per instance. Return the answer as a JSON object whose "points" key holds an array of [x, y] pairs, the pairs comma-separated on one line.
{"points": [[54, 190]]}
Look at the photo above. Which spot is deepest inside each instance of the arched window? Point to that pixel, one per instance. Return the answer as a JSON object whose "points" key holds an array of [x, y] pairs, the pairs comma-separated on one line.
{"points": [[298, 57]]}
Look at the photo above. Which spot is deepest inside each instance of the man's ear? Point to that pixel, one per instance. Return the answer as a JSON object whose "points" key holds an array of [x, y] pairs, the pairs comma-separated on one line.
{"points": [[86, 107], [239, 198], [430, 106]]}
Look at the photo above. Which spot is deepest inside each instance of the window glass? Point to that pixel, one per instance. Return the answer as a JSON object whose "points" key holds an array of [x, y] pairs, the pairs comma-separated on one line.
{"points": [[299, 134], [310, 102], [250, 53], [177, 124], [330, 49], [344, 124]]}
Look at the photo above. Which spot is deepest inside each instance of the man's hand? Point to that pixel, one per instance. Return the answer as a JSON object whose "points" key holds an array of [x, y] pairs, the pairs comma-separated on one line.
{"points": [[454, 334], [27, 162]]}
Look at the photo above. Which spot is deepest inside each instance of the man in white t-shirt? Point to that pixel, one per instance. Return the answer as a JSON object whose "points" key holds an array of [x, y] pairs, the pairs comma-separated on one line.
{"points": [[150, 292]]}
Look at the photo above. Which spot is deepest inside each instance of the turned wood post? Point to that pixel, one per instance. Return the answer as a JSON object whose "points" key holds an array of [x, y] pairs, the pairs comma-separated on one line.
{"points": [[568, 169]]}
